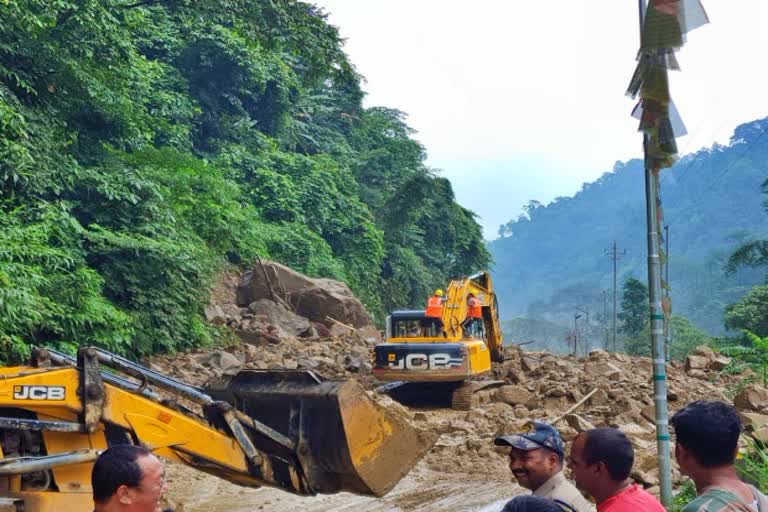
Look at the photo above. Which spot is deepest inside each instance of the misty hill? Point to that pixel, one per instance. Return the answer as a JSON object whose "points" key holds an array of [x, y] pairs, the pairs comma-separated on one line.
{"points": [[552, 258]]}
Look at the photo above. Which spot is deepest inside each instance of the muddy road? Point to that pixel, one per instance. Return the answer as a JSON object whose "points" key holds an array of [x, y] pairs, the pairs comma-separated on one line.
{"points": [[423, 490]]}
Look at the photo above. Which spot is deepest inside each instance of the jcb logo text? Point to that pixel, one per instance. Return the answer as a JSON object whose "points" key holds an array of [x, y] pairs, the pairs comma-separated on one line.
{"points": [[39, 392], [425, 362]]}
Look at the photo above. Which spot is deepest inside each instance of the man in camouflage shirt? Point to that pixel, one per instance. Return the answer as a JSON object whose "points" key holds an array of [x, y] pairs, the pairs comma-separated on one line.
{"points": [[707, 435]]}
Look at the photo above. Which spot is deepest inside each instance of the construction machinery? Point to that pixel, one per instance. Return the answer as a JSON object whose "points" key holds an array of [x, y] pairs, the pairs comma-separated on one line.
{"points": [[292, 430], [443, 352]]}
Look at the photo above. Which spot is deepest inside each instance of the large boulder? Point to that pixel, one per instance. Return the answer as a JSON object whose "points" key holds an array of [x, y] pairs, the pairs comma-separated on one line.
{"points": [[752, 398], [313, 298], [513, 395], [287, 322]]}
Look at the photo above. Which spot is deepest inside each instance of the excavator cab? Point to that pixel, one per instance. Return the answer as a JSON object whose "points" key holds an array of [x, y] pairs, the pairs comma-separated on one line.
{"points": [[418, 349]]}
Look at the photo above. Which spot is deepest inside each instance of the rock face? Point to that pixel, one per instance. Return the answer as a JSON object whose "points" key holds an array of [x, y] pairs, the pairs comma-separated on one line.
{"points": [[752, 398], [315, 299], [704, 358], [287, 322]]}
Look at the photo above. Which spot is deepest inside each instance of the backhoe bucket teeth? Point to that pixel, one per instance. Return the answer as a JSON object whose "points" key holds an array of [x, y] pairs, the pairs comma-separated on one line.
{"points": [[341, 438]]}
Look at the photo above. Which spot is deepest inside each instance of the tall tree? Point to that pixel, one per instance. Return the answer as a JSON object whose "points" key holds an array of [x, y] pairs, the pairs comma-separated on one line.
{"points": [[750, 313], [634, 307]]}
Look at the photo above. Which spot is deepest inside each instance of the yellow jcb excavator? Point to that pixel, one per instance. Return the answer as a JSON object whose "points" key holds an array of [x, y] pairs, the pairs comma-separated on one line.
{"points": [[288, 429], [420, 349]]}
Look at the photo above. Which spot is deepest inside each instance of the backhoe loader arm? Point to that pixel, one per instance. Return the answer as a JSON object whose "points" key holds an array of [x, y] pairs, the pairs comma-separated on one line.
{"points": [[291, 430]]}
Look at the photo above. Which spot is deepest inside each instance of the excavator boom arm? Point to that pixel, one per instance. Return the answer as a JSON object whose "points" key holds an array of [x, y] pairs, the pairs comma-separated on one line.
{"points": [[455, 308]]}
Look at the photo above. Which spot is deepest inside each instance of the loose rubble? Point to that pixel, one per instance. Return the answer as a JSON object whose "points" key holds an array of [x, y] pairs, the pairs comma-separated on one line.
{"points": [[277, 331]]}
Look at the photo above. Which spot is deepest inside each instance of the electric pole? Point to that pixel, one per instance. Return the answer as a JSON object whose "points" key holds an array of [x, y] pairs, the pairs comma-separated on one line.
{"points": [[586, 330], [605, 318], [576, 316], [614, 254], [667, 317]]}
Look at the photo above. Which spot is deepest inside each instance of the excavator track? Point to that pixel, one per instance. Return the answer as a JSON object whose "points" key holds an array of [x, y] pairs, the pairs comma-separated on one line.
{"points": [[473, 394]]}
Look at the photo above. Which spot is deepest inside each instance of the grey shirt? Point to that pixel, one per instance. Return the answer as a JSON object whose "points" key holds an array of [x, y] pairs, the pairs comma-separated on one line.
{"points": [[558, 488]]}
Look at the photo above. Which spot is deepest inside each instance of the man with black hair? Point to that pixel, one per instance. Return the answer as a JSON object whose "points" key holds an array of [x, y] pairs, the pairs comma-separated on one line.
{"points": [[601, 460], [707, 438], [127, 478], [536, 461]]}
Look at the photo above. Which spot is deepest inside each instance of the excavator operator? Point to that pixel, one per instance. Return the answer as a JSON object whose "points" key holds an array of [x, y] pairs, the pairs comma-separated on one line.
{"points": [[435, 305], [473, 324]]}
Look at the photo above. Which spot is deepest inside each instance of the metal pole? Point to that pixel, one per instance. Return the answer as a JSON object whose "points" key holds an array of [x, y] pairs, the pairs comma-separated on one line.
{"points": [[656, 318], [586, 330], [614, 295], [605, 317], [614, 254], [668, 337], [586, 337], [576, 316]]}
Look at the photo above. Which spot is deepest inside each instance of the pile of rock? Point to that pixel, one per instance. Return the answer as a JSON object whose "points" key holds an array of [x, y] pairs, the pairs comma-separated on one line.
{"points": [[282, 319], [286, 320], [618, 391]]}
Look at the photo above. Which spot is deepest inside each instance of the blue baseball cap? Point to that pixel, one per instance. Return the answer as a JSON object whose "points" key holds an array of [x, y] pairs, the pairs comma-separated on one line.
{"points": [[538, 435]]}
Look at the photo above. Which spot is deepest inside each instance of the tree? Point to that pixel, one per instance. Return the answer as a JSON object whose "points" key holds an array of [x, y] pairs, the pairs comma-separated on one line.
{"points": [[750, 313], [684, 337], [143, 145], [634, 307]]}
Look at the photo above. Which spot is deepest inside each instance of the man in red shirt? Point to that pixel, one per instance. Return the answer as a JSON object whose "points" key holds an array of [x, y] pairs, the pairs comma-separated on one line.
{"points": [[601, 460]]}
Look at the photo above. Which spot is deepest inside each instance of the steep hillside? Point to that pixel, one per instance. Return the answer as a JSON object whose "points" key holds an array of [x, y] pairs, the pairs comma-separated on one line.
{"points": [[552, 259], [144, 145]]}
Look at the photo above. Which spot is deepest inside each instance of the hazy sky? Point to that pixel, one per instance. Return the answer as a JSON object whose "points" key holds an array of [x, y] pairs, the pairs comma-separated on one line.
{"points": [[524, 99]]}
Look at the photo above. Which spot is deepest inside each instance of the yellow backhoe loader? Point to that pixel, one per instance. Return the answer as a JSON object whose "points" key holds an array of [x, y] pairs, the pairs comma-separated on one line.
{"points": [[425, 357], [288, 429]]}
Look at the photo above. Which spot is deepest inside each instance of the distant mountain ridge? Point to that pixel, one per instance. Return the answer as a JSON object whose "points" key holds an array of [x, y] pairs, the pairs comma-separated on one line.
{"points": [[552, 259]]}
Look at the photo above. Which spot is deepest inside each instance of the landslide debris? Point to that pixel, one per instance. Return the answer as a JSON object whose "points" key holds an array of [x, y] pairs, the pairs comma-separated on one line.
{"points": [[276, 331]]}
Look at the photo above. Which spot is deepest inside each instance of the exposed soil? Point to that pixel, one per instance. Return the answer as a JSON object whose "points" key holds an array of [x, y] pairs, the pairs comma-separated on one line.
{"points": [[464, 470]]}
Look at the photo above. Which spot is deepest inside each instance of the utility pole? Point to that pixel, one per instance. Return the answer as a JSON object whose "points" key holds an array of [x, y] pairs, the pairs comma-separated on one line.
{"points": [[667, 320], [576, 316], [614, 255], [605, 318], [586, 331], [655, 309]]}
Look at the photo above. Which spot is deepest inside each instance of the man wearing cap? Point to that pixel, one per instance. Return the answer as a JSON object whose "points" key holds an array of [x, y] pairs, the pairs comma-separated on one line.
{"points": [[536, 460]]}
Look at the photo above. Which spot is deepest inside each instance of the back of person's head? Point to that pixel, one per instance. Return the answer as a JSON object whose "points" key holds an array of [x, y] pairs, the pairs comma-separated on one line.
{"points": [[611, 447], [117, 466], [709, 430], [531, 503]]}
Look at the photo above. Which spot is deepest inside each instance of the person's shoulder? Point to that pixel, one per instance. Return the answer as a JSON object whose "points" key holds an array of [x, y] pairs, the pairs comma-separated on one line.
{"points": [[714, 500], [650, 502], [567, 492]]}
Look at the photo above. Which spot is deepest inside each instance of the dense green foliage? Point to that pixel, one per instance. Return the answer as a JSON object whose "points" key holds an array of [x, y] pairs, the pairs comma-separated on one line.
{"points": [[753, 466], [751, 312], [684, 337], [552, 258], [749, 351], [144, 144]]}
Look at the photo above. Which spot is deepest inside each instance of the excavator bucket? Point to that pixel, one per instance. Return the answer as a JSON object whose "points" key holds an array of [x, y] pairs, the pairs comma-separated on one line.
{"points": [[342, 440]]}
